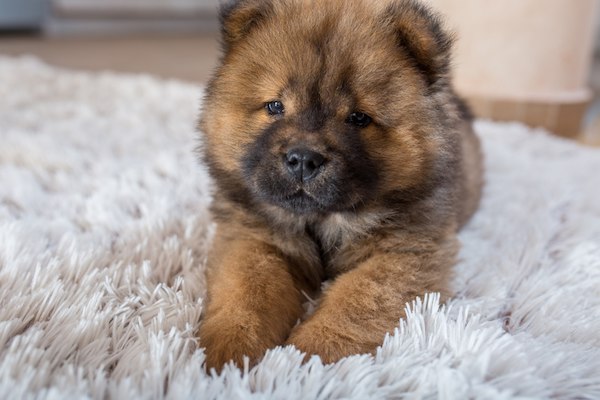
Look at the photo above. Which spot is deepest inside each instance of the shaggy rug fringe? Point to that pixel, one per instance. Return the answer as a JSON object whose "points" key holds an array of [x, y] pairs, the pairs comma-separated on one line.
{"points": [[104, 230]]}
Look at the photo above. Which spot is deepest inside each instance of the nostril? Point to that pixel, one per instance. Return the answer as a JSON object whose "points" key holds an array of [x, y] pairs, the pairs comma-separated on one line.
{"points": [[293, 160], [314, 160]]}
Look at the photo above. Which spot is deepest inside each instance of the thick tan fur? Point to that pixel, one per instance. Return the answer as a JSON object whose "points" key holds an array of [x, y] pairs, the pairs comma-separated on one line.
{"points": [[394, 241]]}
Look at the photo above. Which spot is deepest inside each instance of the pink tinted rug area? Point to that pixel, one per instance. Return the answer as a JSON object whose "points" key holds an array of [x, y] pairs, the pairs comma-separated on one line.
{"points": [[104, 230]]}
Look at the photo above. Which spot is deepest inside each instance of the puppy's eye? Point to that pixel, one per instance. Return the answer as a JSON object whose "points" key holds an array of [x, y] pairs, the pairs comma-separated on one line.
{"points": [[275, 108], [359, 119]]}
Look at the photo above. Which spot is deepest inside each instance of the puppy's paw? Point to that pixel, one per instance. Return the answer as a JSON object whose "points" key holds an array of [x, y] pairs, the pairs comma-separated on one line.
{"points": [[328, 343], [225, 340]]}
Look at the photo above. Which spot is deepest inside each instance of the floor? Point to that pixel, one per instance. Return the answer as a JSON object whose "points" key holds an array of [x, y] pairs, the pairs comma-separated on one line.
{"points": [[185, 57], [591, 133]]}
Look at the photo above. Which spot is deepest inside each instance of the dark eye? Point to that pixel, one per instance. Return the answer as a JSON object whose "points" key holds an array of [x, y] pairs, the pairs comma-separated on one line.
{"points": [[359, 119], [275, 107]]}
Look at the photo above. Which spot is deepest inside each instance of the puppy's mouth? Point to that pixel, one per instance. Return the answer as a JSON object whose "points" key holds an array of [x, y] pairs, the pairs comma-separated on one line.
{"points": [[302, 202]]}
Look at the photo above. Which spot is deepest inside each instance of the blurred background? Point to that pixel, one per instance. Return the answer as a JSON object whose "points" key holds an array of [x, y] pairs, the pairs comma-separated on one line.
{"points": [[534, 61]]}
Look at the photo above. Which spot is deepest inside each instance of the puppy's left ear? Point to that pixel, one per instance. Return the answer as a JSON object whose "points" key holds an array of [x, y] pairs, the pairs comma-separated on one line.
{"points": [[239, 17], [420, 34]]}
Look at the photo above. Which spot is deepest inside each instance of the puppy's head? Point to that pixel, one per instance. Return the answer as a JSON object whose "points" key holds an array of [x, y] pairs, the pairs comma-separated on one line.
{"points": [[325, 106]]}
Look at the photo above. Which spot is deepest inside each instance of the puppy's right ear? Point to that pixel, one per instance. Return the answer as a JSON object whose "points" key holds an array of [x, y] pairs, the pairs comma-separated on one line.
{"points": [[239, 17]]}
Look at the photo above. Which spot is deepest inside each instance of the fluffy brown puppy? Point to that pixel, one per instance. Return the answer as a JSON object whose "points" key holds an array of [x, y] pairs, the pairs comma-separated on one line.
{"points": [[339, 151]]}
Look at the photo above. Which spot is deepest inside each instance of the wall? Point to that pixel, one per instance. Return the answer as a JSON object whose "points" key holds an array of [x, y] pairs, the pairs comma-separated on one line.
{"points": [[122, 8], [525, 60], [19, 14], [518, 49], [117, 17]]}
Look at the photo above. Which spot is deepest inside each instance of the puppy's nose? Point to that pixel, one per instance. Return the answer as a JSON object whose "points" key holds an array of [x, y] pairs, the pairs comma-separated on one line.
{"points": [[304, 164]]}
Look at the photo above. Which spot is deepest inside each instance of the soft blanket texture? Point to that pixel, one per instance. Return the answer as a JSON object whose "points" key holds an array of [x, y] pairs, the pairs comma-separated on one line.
{"points": [[104, 229]]}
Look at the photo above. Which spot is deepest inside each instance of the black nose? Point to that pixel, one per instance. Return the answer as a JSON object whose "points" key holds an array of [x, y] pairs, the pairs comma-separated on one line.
{"points": [[304, 164]]}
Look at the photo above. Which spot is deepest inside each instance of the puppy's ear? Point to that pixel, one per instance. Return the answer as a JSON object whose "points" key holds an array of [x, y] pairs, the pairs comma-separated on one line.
{"points": [[420, 34], [238, 17]]}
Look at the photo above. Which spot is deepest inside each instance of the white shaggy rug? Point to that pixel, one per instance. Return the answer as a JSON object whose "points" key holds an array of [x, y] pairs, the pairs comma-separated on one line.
{"points": [[104, 228]]}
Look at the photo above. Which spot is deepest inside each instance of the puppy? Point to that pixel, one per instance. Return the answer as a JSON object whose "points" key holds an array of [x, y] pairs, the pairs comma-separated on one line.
{"points": [[339, 152]]}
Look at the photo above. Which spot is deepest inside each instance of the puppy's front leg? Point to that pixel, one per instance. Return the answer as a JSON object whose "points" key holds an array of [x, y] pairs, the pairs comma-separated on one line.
{"points": [[253, 303], [362, 305]]}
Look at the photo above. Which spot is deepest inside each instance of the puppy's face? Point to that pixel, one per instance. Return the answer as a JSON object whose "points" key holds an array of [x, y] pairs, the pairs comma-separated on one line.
{"points": [[324, 106]]}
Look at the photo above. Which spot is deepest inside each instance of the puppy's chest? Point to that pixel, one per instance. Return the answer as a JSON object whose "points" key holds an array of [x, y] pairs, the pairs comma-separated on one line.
{"points": [[339, 246], [328, 250], [339, 258]]}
